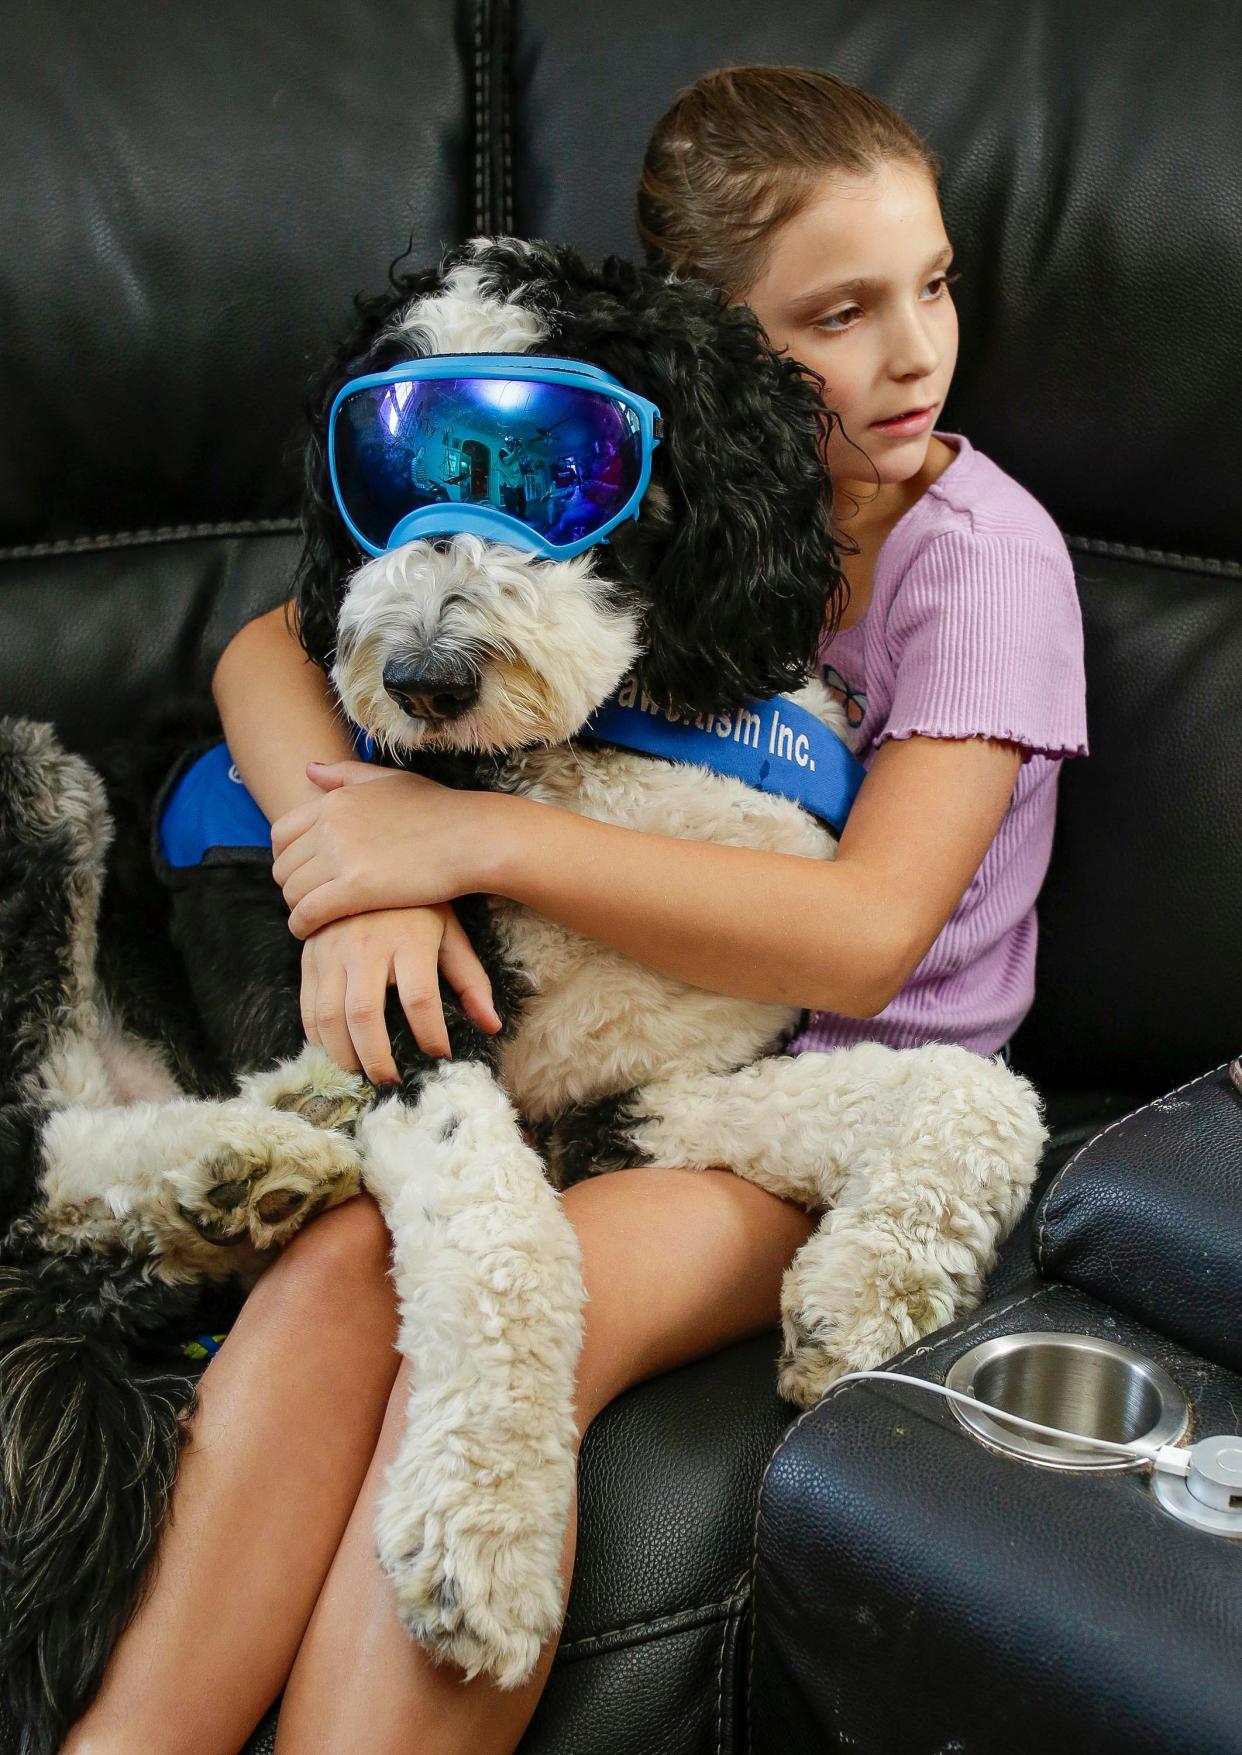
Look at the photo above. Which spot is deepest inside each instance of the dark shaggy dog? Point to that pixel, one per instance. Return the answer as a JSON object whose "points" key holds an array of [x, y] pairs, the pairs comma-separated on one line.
{"points": [[163, 1127]]}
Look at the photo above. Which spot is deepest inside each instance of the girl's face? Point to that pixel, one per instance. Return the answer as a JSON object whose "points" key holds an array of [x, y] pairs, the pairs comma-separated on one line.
{"points": [[856, 287]]}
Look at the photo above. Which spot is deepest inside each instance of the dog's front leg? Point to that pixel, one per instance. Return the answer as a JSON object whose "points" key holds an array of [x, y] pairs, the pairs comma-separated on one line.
{"points": [[924, 1156], [488, 1272]]}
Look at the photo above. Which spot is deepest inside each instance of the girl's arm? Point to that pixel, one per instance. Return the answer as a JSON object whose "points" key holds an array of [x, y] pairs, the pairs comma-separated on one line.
{"points": [[843, 935], [278, 711]]}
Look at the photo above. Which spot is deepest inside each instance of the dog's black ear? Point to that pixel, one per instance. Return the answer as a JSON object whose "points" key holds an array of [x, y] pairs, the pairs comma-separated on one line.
{"points": [[329, 554], [733, 557]]}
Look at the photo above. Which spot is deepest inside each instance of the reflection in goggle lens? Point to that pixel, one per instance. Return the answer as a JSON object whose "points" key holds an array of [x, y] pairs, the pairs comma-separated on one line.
{"points": [[562, 459]]}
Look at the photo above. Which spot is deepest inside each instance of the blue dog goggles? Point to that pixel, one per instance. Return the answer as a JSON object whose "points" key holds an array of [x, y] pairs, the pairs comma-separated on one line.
{"points": [[547, 454]]}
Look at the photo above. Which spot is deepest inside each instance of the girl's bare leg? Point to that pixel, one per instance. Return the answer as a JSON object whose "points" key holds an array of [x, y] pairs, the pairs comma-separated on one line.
{"points": [[290, 1410], [677, 1263], [289, 1413]]}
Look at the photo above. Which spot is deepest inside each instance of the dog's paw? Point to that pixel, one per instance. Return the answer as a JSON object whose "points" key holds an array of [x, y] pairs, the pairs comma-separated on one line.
{"points": [[263, 1177], [859, 1291], [488, 1599], [314, 1087]]}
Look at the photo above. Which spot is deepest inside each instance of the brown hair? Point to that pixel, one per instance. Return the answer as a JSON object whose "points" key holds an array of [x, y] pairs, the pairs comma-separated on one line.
{"points": [[739, 152]]}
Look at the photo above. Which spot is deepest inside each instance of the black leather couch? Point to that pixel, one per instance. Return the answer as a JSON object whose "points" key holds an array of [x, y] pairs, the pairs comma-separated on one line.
{"points": [[193, 197]]}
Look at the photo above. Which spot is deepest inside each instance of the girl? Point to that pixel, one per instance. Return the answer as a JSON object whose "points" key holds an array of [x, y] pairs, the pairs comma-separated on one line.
{"points": [[959, 658]]}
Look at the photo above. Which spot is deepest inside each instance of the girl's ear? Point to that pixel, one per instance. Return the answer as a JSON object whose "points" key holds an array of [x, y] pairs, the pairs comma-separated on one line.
{"points": [[733, 556]]}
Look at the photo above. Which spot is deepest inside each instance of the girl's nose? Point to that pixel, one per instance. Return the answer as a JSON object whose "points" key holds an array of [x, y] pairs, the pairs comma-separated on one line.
{"points": [[914, 347]]}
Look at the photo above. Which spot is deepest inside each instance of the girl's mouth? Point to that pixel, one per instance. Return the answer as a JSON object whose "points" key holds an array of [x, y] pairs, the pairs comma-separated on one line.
{"points": [[915, 421]]}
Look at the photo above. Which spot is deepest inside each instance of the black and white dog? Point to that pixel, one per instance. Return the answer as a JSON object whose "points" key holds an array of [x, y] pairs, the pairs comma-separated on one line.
{"points": [[164, 1127]]}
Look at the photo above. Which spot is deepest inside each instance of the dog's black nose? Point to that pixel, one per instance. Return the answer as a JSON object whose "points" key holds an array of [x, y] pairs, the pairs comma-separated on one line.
{"points": [[429, 694]]}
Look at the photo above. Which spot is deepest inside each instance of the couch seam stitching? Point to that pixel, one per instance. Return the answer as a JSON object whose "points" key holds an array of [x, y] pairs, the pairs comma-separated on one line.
{"points": [[665, 1623], [480, 114], [1135, 551], [159, 533], [739, 1590], [249, 526], [1121, 1121], [506, 116], [921, 1352]]}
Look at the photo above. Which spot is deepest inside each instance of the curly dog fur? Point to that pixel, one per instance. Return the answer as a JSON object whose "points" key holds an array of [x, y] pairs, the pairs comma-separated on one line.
{"points": [[164, 1128]]}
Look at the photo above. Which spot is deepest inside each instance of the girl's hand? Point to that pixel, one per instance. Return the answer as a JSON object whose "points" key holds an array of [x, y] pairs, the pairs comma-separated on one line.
{"points": [[349, 965], [378, 838]]}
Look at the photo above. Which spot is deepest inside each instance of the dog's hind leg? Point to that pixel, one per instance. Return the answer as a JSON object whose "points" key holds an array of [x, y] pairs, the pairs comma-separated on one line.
{"points": [[195, 1186], [312, 1085], [488, 1271], [923, 1156], [55, 831], [88, 1447]]}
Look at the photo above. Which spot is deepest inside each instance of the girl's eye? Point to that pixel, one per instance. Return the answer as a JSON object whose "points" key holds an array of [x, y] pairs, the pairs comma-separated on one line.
{"points": [[835, 324], [831, 324]]}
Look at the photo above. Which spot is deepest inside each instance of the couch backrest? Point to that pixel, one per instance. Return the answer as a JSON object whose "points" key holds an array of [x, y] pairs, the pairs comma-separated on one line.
{"points": [[196, 194]]}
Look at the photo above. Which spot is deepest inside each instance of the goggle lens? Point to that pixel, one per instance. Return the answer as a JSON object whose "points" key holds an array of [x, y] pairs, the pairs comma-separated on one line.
{"points": [[561, 459]]}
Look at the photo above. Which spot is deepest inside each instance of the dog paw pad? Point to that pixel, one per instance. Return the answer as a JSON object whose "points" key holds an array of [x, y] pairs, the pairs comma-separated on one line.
{"points": [[277, 1172], [342, 1110]]}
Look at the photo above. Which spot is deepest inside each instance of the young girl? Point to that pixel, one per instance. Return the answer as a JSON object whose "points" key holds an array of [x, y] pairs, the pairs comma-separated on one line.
{"points": [[959, 659]]}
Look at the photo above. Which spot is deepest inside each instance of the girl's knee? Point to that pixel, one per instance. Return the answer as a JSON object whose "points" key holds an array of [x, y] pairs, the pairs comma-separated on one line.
{"points": [[337, 1261], [677, 1263]]}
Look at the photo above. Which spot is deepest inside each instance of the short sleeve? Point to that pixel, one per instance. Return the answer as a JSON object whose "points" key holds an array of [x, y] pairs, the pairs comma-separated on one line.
{"points": [[985, 633]]}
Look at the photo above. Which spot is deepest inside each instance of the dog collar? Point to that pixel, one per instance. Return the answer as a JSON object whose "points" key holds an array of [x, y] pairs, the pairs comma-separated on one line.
{"points": [[776, 746]]}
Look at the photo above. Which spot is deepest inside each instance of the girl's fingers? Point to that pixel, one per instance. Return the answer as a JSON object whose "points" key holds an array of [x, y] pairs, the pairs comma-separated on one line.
{"points": [[295, 822], [310, 986], [365, 993], [467, 977], [299, 882], [330, 775], [296, 855], [321, 905], [418, 988], [330, 1016]]}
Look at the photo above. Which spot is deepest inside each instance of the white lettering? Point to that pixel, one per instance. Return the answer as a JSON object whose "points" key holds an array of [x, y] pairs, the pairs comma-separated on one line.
{"points": [[743, 726], [627, 694], [802, 750], [724, 724], [784, 744]]}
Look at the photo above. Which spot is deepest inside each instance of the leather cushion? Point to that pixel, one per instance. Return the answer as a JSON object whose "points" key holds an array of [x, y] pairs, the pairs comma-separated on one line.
{"points": [[1147, 1217]]}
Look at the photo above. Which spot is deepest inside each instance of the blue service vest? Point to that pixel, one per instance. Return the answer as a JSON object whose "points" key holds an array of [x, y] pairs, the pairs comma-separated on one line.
{"points": [[773, 745], [205, 815]]}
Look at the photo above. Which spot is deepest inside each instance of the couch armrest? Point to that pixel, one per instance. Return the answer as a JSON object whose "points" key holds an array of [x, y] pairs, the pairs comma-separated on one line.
{"points": [[1148, 1217], [916, 1592]]}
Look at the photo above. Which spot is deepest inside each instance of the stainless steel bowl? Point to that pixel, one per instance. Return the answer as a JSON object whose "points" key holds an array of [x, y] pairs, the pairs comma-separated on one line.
{"points": [[1073, 1381]]}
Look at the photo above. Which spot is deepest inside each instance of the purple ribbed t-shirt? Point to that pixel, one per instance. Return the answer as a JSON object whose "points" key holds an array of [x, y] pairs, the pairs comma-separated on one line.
{"points": [[973, 630]]}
